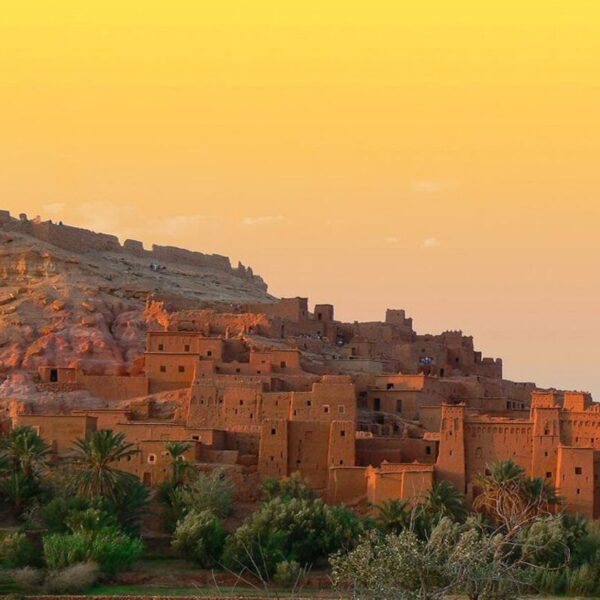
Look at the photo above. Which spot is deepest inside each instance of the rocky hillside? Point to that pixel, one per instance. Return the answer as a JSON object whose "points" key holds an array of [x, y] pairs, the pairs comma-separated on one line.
{"points": [[69, 303]]}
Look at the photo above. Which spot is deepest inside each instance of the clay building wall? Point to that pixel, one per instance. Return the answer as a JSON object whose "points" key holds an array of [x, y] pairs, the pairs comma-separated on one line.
{"points": [[342, 444], [138, 431], [276, 405], [244, 368], [333, 398], [324, 313], [292, 309], [405, 481], [170, 371], [430, 417], [580, 428], [204, 408], [114, 388], [576, 479], [59, 431], [273, 451], [347, 485], [400, 381], [106, 418], [240, 406], [245, 440], [489, 440], [179, 342], [52, 374], [152, 463], [376, 450], [354, 366], [309, 447], [450, 465], [280, 361]]}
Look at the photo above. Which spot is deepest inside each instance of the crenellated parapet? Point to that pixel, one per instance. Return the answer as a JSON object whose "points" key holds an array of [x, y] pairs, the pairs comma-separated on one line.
{"points": [[80, 240]]}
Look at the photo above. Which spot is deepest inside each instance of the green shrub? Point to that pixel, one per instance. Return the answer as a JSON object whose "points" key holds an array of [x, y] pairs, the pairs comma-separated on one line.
{"points": [[200, 537], [64, 549], [74, 579], [291, 530], [89, 520], [288, 574], [53, 516], [110, 548], [292, 487], [212, 492], [16, 550]]}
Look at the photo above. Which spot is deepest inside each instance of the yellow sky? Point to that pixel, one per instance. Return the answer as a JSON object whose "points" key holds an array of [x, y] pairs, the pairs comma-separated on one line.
{"points": [[439, 156]]}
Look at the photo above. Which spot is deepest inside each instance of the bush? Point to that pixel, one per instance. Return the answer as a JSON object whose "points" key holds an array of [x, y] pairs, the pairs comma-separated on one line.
{"points": [[53, 516], [110, 548], [292, 487], [74, 579], [291, 530], [211, 492], [28, 579], [16, 550], [89, 520], [200, 537], [288, 574]]}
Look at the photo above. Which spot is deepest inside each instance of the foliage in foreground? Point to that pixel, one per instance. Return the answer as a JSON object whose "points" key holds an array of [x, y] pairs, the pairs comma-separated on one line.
{"points": [[301, 530], [16, 550], [455, 559], [109, 547], [200, 536]]}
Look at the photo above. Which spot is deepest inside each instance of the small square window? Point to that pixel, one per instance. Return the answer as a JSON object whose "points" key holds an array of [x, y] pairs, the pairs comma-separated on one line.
{"points": [[283, 364], [548, 475], [161, 347], [342, 433], [163, 369], [151, 458], [427, 449], [209, 353], [341, 409], [326, 408], [187, 347], [578, 491], [181, 369], [273, 431], [578, 470]]}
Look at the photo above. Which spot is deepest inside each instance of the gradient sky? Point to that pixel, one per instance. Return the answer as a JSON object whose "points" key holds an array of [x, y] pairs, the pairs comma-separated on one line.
{"points": [[438, 156]]}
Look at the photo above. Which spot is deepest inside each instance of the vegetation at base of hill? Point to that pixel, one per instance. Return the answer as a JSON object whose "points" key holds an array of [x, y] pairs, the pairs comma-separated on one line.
{"points": [[514, 543], [87, 512], [291, 529], [200, 536], [80, 526]]}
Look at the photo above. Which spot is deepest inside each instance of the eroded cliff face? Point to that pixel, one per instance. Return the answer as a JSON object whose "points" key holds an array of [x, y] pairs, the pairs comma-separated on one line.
{"points": [[92, 309]]}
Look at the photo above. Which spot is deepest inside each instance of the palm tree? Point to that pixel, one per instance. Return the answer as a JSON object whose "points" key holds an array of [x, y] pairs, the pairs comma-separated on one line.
{"points": [[393, 516], [510, 498], [96, 476], [24, 451], [179, 465], [444, 500]]}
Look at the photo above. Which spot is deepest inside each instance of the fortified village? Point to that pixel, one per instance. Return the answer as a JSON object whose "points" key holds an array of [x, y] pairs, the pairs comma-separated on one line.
{"points": [[366, 412]]}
